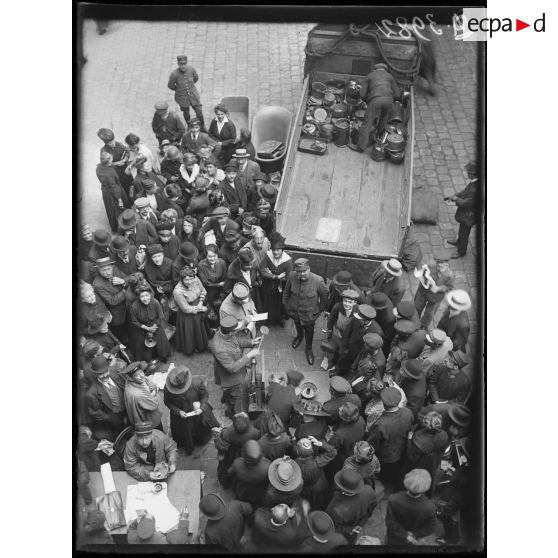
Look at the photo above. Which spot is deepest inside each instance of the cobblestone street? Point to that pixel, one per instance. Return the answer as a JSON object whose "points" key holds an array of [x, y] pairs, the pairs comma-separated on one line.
{"points": [[127, 70]]}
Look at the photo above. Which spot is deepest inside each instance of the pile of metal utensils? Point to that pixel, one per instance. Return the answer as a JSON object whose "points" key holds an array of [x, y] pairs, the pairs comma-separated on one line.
{"points": [[390, 140]]}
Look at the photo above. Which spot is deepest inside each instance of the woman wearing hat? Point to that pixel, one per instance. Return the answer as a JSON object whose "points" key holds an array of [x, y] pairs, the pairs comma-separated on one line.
{"points": [[275, 441], [410, 514], [191, 324], [119, 154], [365, 462], [312, 456], [313, 423], [275, 267], [388, 279], [114, 196], [285, 482], [191, 415], [223, 131], [212, 271], [455, 321], [339, 317], [147, 320]]}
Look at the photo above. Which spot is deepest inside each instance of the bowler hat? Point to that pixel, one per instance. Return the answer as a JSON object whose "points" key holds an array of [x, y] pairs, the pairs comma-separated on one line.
{"points": [[268, 192], [241, 154], [120, 244], [339, 384], [342, 278], [379, 301], [146, 528], [128, 219], [320, 525], [99, 365], [460, 358], [417, 481], [349, 481], [460, 414], [102, 262], [391, 397], [366, 311], [459, 299], [301, 264], [161, 105], [228, 323], [373, 341], [284, 474], [188, 250], [348, 412], [436, 336], [240, 291], [412, 368], [105, 134], [393, 267], [101, 238], [404, 327], [143, 428], [213, 506], [404, 309], [178, 380], [153, 249]]}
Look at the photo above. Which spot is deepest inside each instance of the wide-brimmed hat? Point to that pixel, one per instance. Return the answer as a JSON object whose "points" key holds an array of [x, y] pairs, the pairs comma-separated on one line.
{"points": [[412, 368], [342, 278], [436, 336], [404, 327], [405, 310], [459, 299], [320, 525], [102, 238], [460, 414], [310, 407], [349, 481], [284, 474], [178, 380], [379, 301], [99, 365], [120, 243], [128, 219], [339, 384], [213, 506], [189, 250], [417, 481], [241, 154], [393, 267]]}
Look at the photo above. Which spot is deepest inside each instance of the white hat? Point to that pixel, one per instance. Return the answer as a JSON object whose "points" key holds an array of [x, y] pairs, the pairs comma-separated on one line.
{"points": [[393, 267], [459, 300]]}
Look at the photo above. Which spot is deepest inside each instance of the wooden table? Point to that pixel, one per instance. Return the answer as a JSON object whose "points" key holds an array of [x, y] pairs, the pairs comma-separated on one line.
{"points": [[318, 377], [183, 488]]}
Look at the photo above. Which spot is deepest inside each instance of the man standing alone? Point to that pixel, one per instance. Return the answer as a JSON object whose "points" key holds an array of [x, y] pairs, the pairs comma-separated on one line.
{"points": [[182, 81]]}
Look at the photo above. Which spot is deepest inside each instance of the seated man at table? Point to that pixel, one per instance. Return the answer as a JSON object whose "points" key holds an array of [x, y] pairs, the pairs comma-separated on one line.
{"points": [[142, 530], [146, 449]]}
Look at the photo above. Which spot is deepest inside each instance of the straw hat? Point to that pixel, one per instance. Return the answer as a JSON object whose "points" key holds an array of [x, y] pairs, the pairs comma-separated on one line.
{"points": [[459, 299]]}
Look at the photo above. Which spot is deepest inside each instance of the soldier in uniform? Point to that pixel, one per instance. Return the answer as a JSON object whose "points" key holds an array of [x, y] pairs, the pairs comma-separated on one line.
{"points": [[183, 82]]}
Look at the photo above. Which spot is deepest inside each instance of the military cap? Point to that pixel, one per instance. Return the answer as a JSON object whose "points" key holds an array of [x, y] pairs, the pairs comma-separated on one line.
{"points": [[373, 340], [339, 384]]}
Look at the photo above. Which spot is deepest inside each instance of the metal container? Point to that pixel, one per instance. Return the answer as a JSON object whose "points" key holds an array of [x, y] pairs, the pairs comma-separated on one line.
{"points": [[329, 99], [396, 113], [339, 110], [318, 89], [378, 153], [342, 131], [395, 142], [326, 131], [396, 158], [359, 115]]}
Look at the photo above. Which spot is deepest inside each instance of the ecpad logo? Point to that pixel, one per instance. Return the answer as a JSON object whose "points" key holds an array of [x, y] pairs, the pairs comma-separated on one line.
{"points": [[477, 25]]}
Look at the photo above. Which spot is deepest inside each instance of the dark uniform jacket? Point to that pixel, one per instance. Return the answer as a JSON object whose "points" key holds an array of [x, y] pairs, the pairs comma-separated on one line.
{"points": [[249, 481], [183, 85], [389, 434], [170, 128], [113, 296], [415, 391], [304, 300], [447, 384], [348, 512], [466, 204], [276, 538], [457, 328], [332, 406], [229, 364], [228, 530], [351, 342], [135, 457]]}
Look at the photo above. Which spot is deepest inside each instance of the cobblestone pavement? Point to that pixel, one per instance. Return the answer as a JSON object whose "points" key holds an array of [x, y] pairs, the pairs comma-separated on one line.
{"points": [[127, 71]]}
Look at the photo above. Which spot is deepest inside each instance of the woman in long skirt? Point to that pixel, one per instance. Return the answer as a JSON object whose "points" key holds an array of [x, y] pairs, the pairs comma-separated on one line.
{"points": [[191, 323], [114, 197], [274, 269], [212, 272], [146, 319]]}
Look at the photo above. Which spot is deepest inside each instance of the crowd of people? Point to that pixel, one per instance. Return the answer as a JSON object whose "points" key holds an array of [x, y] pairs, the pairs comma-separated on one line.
{"points": [[191, 261]]}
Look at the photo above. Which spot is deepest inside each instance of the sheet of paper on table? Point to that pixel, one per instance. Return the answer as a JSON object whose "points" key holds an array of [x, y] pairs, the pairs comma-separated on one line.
{"points": [[260, 317], [108, 479], [141, 497]]}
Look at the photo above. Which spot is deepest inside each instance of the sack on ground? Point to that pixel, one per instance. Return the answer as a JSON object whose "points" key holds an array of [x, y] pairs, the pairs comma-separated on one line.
{"points": [[424, 207]]}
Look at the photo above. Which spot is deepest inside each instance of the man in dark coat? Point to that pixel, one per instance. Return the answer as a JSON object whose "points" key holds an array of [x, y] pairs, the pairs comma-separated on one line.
{"points": [[277, 529], [219, 223], [352, 342], [230, 247], [388, 279], [249, 474], [413, 383], [110, 285], [371, 359], [105, 401], [379, 91], [169, 241], [448, 383], [407, 343], [234, 192], [323, 537], [188, 256], [142, 530], [282, 398], [183, 82], [124, 255], [466, 214], [388, 436], [455, 321], [247, 170], [384, 316], [340, 391], [230, 364], [170, 167], [226, 522], [137, 231], [194, 139], [304, 298], [352, 503], [166, 124]]}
